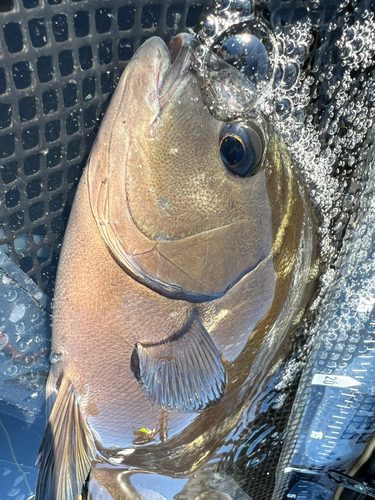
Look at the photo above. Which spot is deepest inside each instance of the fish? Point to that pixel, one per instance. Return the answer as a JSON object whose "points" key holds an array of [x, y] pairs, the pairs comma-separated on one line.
{"points": [[185, 261]]}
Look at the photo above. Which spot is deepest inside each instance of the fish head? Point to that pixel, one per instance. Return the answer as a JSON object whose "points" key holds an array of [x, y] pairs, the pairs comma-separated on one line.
{"points": [[180, 197]]}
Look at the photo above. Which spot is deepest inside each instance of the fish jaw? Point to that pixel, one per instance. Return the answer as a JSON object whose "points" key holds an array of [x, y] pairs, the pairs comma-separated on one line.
{"points": [[181, 50], [169, 67]]}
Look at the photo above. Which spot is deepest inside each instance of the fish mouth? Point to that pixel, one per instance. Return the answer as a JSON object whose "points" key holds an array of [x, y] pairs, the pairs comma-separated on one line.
{"points": [[180, 63]]}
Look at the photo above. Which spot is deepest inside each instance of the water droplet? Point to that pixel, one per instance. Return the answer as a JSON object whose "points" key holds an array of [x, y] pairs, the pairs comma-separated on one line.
{"points": [[13, 492], [4, 339], [12, 370], [11, 295], [55, 357], [20, 327], [17, 313], [18, 480]]}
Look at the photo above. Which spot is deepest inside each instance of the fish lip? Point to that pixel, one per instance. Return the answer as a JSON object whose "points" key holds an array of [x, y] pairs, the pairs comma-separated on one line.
{"points": [[180, 63]]}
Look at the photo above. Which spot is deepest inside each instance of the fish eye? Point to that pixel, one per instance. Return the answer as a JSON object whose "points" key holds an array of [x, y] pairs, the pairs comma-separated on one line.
{"points": [[241, 149]]}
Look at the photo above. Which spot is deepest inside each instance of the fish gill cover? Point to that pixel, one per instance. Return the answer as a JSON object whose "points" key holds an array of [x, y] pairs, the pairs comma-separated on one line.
{"points": [[318, 90]]}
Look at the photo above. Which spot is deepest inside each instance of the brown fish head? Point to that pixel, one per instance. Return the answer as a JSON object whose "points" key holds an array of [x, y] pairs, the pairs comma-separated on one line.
{"points": [[180, 197]]}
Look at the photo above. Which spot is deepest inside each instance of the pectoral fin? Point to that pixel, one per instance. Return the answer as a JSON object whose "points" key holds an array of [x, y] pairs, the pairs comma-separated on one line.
{"points": [[184, 372], [67, 449]]}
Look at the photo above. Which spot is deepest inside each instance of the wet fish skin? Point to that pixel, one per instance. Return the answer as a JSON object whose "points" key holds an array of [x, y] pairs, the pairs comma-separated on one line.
{"points": [[103, 310]]}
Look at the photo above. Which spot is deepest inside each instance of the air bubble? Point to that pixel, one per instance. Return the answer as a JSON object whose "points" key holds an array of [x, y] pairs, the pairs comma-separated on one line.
{"points": [[246, 53], [239, 68], [239, 7], [339, 347], [331, 336], [283, 108], [34, 377], [278, 76], [35, 317], [349, 34], [335, 355], [291, 73], [207, 28], [299, 116]]}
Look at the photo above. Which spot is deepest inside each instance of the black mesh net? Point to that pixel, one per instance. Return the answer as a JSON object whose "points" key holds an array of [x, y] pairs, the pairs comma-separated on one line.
{"points": [[60, 61], [256, 455]]}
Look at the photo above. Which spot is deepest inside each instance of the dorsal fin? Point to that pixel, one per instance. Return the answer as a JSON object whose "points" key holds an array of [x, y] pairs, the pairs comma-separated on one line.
{"points": [[184, 372], [67, 449]]}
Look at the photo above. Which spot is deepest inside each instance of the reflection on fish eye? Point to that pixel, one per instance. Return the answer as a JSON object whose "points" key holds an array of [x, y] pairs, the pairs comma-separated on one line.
{"points": [[241, 149]]}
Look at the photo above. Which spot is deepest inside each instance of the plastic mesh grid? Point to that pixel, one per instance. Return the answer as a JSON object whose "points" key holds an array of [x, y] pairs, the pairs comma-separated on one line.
{"points": [[254, 466], [59, 63]]}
